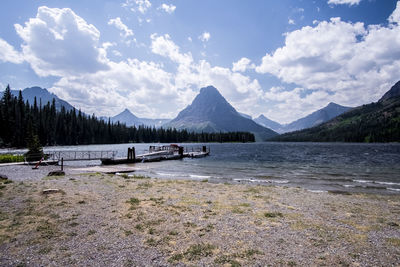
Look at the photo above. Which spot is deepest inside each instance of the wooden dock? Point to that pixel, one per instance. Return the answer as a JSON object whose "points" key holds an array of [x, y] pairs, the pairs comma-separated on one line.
{"points": [[172, 152], [155, 153]]}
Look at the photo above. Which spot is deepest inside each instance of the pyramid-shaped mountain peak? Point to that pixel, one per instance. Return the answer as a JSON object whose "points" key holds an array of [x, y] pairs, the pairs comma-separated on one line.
{"points": [[209, 90], [211, 95], [127, 111], [332, 104], [211, 112]]}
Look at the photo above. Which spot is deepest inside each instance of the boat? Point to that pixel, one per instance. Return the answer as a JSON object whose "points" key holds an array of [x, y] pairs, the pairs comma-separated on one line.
{"points": [[159, 153]]}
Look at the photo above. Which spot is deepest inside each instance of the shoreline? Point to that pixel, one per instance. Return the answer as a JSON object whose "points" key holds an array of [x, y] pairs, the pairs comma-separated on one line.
{"points": [[18, 172], [117, 220]]}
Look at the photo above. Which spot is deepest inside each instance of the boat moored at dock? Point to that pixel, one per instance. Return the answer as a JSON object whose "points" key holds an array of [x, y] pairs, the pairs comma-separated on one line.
{"points": [[160, 153]]}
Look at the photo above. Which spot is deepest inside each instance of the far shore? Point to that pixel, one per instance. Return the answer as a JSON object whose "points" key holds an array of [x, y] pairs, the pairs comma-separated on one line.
{"points": [[97, 219]]}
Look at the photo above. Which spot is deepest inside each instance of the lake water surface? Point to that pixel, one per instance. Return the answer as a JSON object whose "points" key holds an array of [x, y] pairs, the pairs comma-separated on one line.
{"points": [[317, 167]]}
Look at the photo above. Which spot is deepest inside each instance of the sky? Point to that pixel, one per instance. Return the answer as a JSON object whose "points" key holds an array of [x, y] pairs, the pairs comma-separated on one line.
{"points": [[283, 59]]}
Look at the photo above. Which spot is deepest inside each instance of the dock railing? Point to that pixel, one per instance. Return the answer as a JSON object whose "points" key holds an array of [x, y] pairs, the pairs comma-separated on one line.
{"points": [[80, 155]]}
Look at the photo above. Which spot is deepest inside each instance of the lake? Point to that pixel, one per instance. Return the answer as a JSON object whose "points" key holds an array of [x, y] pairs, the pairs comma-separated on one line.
{"points": [[350, 167]]}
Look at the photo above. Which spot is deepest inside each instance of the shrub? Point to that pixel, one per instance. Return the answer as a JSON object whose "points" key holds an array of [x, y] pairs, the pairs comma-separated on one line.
{"points": [[35, 150], [6, 158]]}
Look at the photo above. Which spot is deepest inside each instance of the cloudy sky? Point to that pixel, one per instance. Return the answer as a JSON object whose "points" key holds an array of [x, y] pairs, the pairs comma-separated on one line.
{"points": [[283, 59]]}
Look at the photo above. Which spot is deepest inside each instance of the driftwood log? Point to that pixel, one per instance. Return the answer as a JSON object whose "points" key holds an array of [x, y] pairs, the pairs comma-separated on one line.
{"points": [[51, 191]]}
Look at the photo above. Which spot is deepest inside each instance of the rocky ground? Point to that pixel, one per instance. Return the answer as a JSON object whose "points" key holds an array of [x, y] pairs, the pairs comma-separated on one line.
{"points": [[118, 220]]}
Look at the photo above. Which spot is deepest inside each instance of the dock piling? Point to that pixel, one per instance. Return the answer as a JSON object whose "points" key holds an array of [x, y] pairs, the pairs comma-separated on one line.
{"points": [[131, 154]]}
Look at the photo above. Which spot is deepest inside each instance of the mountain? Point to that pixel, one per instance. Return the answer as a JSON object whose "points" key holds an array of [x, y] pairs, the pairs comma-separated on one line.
{"points": [[320, 116], [375, 122], [264, 121], [154, 122], [126, 117], [393, 92], [130, 119], [210, 112], [40, 93], [245, 115]]}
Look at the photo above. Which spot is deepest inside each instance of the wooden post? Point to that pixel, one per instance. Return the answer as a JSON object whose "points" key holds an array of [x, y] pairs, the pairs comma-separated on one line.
{"points": [[181, 151], [133, 156], [62, 164], [129, 154], [204, 149]]}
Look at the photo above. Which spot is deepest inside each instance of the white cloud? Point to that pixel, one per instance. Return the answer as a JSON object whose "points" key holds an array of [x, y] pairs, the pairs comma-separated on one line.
{"points": [[125, 31], [168, 8], [140, 5], [88, 79], [297, 103], [164, 46], [395, 16], [131, 83], [107, 45], [8, 53], [291, 22], [190, 39], [91, 81], [344, 2], [343, 62], [117, 53], [51, 46], [143, 5], [351, 63], [205, 36], [242, 65], [240, 90]]}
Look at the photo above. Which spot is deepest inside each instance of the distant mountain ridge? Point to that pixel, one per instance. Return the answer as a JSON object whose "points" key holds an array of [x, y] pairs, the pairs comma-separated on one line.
{"points": [[210, 112], [375, 122], [128, 118], [264, 121], [44, 95], [320, 116]]}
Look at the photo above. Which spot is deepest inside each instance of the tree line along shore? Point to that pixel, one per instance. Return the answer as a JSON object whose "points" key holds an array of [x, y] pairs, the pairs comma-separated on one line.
{"points": [[22, 121]]}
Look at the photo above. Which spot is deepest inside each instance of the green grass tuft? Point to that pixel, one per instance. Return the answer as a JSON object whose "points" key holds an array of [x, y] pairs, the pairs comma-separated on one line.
{"points": [[273, 214], [133, 201], [176, 257], [197, 251]]}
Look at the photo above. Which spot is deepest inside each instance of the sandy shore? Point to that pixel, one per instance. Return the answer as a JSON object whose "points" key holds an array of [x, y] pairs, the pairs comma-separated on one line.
{"points": [[110, 220]]}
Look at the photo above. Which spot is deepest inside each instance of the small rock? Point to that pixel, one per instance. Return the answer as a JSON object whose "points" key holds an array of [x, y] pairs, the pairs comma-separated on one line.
{"points": [[51, 191], [56, 173], [3, 177], [393, 224]]}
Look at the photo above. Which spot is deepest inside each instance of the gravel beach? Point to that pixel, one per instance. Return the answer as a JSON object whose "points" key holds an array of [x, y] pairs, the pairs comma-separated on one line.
{"points": [[96, 219]]}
